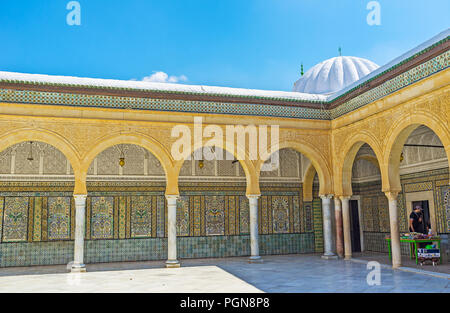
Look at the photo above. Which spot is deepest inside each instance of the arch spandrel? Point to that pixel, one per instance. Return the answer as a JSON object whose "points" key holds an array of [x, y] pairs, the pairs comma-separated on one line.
{"points": [[252, 177], [397, 137], [51, 138], [320, 163], [146, 142]]}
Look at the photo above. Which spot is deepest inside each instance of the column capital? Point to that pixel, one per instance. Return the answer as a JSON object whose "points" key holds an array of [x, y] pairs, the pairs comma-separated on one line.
{"points": [[172, 197], [253, 196], [326, 196], [392, 194], [344, 198], [80, 199]]}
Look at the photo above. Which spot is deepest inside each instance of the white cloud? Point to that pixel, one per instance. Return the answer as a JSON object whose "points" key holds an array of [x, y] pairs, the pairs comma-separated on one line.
{"points": [[161, 77]]}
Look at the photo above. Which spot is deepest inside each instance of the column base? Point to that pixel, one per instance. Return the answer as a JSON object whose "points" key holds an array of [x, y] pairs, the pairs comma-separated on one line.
{"points": [[78, 268], [172, 264], [394, 266], [330, 257], [348, 257], [255, 259]]}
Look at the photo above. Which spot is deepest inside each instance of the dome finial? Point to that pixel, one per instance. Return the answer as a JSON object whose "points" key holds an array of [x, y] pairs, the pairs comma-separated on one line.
{"points": [[301, 70], [340, 51]]}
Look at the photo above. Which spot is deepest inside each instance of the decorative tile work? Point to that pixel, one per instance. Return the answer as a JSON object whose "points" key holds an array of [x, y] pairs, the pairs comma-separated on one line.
{"points": [[264, 210], [141, 216], [85, 100], [96, 251], [213, 246], [196, 229], [37, 222], [445, 192], [407, 78], [15, 219], [183, 216], [298, 215], [422, 186], [436, 180], [233, 218], [102, 217], [36, 253], [222, 222], [215, 215], [401, 206], [58, 220], [317, 224], [308, 216], [30, 219], [161, 207], [44, 227], [244, 215], [286, 243], [141, 249], [2, 202], [280, 211], [383, 214], [367, 213], [122, 216], [415, 74]]}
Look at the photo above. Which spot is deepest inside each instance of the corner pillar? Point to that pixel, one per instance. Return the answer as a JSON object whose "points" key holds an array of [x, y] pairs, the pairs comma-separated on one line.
{"points": [[172, 231], [80, 209], [327, 228]]}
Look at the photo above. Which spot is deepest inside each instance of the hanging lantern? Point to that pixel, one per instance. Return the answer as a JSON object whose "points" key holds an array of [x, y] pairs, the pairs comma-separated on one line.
{"points": [[401, 157], [30, 155], [122, 157], [201, 164]]}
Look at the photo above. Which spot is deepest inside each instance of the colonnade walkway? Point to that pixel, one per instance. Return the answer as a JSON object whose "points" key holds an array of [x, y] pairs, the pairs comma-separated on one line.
{"points": [[281, 273]]}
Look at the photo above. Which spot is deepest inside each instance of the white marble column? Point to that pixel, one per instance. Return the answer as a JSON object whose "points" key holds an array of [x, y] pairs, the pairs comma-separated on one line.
{"points": [[254, 241], [172, 231], [80, 209], [327, 228], [346, 227], [395, 233]]}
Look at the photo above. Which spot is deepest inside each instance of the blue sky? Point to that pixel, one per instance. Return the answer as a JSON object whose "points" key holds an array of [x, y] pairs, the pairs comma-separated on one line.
{"points": [[237, 43]]}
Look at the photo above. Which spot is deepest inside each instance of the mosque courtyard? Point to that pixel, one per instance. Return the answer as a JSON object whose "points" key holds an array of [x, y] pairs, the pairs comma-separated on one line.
{"points": [[282, 273]]}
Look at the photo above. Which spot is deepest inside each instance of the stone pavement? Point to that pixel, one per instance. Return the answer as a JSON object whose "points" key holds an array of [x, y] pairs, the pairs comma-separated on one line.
{"points": [[282, 273], [383, 258]]}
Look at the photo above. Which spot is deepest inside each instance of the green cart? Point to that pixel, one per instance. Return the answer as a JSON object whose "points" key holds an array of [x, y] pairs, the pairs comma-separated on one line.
{"points": [[413, 246]]}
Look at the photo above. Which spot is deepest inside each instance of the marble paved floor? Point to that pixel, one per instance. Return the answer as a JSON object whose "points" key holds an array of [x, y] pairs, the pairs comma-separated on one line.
{"points": [[288, 273], [199, 279]]}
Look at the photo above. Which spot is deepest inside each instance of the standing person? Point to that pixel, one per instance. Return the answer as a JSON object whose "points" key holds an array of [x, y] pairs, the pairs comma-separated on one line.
{"points": [[416, 223], [416, 220]]}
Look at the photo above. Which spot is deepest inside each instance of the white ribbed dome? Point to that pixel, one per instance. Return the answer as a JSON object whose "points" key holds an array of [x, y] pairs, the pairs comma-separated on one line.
{"points": [[333, 75]]}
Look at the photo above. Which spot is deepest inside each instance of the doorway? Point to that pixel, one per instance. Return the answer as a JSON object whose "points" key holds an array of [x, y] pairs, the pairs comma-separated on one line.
{"points": [[354, 226], [425, 213]]}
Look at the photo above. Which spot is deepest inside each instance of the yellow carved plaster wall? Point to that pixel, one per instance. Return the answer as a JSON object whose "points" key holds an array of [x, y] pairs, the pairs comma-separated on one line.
{"points": [[82, 133]]}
